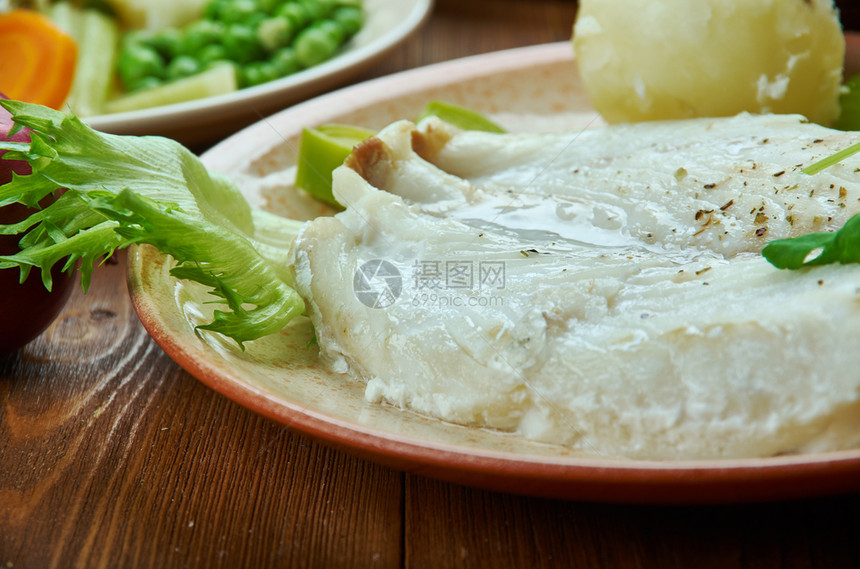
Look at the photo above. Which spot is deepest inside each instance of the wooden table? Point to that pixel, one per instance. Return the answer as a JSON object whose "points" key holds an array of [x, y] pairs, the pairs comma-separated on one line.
{"points": [[113, 456]]}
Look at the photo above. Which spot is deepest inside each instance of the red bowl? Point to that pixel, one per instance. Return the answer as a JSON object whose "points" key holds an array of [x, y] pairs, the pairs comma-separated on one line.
{"points": [[27, 308]]}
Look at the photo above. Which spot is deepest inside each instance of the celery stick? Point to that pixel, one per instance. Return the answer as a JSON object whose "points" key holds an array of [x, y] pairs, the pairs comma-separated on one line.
{"points": [[96, 35], [65, 16], [321, 150], [215, 81]]}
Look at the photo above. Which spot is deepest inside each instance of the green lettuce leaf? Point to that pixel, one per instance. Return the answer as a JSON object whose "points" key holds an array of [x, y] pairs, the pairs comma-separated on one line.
{"points": [[214, 256], [120, 190]]}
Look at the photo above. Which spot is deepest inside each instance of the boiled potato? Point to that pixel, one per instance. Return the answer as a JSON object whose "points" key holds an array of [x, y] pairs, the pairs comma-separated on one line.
{"points": [[666, 59]]}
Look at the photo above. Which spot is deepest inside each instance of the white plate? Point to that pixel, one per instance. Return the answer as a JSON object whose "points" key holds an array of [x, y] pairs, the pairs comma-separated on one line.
{"points": [[388, 22], [282, 378]]}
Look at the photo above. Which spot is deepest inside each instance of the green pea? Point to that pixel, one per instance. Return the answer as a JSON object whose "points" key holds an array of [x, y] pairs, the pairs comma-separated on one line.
{"points": [[210, 53], [235, 11], [137, 62], [350, 19], [295, 13], [214, 9], [182, 66], [252, 75], [255, 19], [318, 9], [285, 62], [167, 43], [146, 82], [134, 38], [241, 44], [268, 71], [333, 29], [200, 34], [314, 45], [275, 33], [269, 6]]}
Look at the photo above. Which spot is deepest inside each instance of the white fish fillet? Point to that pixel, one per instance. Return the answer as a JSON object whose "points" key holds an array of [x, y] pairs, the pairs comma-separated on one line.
{"points": [[616, 302]]}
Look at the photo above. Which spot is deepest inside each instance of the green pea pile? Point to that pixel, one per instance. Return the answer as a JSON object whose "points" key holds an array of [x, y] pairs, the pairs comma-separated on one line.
{"points": [[263, 39]]}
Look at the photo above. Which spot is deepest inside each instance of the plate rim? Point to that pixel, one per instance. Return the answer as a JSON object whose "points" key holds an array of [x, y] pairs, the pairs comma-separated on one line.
{"points": [[593, 479]]}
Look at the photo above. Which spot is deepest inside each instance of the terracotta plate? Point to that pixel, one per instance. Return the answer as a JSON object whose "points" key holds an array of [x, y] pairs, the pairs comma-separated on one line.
{"points": [[281, 378], [388, 22]]}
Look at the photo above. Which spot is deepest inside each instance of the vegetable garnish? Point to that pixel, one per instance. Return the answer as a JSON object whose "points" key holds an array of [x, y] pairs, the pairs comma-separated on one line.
{"points": [[122, 190], [842, 246], [461, 117], [96, 35], [324, 148], [832, 159], [37, 59], [321, 150], [849, 119]]}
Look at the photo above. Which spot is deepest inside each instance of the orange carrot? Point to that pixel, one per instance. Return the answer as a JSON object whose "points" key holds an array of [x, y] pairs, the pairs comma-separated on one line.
{"points": [[37, 59]]}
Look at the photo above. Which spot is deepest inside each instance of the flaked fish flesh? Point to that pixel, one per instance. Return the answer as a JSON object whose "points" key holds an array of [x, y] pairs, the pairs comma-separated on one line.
{"points": [[602, 290]]}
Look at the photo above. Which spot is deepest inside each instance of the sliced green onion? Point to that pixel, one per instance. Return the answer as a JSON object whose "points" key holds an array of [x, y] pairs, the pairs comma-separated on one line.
{"points": [[849, 119], [832, 159], [461, 117], [321, 150]]}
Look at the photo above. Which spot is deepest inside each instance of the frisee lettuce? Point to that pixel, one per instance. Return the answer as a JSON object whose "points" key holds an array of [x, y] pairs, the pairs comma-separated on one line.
{"points": [[121, 190]]}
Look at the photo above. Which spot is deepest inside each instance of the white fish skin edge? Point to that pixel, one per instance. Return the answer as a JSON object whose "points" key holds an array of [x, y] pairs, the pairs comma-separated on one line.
{"points": [[635, 317]]}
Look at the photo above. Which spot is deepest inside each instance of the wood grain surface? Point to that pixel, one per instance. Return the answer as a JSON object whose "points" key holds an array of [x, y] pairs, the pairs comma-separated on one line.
{"points": [[113, 456]]}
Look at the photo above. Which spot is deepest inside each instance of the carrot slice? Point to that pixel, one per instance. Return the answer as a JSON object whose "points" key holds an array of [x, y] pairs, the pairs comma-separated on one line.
{"points": [[37, 59]]}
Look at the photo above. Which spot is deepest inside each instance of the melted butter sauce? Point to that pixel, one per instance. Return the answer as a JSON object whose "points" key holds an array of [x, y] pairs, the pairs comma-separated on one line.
{"points": [[559, 224]]}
